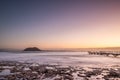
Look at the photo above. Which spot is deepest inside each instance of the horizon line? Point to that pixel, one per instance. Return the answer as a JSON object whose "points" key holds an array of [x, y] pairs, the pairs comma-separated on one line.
{"points": [[61, 48]]}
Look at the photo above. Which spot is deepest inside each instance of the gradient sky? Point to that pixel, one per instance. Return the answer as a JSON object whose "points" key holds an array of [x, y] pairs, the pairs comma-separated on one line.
{"points": [[52, 24]]}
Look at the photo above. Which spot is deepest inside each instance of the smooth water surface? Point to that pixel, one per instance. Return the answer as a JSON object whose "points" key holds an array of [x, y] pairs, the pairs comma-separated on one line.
{"points": [[61, 58]]}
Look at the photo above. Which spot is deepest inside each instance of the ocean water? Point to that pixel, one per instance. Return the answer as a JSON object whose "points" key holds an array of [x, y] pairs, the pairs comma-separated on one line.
{"points": [[61, 58]]}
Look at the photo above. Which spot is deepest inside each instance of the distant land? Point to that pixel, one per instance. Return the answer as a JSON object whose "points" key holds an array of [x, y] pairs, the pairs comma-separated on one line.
{"points": [[63, 50], [32, 49]]}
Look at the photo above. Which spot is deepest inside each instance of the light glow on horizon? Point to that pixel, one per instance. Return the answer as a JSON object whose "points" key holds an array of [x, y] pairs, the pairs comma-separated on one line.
{"points": [[60, 25]]}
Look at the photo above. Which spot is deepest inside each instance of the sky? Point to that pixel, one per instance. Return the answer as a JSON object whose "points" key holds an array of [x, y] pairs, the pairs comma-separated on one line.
{"points": [[55, 24]]}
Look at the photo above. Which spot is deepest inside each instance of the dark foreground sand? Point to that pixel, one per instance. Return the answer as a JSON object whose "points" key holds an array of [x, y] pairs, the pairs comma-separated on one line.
{"points": [[11, 70]]}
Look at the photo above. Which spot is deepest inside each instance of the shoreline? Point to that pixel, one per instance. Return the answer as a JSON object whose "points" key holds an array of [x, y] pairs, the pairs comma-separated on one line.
{"points": [[13, 70]]}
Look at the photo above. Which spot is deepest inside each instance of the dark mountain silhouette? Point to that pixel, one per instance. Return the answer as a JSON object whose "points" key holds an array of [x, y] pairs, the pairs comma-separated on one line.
{"points": [[32, 49]]}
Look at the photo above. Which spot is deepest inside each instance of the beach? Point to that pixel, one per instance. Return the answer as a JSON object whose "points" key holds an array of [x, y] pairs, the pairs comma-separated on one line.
{"points": [[58, 66]]}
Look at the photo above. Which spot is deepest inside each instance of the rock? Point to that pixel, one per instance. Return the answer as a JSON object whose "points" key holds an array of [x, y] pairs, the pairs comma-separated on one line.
{"points": [[32, 49], [114, 73], [2, 78], [81, 75], [58, 79], [90, 73], [67, 77]]}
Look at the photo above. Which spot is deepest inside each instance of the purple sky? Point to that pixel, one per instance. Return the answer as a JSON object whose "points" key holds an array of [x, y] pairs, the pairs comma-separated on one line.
{"points": [[59, 23]]}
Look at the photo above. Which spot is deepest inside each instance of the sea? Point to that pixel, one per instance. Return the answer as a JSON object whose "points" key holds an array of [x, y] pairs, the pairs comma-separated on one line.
{"points": [[61, 58]]}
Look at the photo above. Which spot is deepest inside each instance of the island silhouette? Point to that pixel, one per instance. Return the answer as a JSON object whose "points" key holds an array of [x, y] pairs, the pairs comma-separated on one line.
{"points": [[32, 49]]}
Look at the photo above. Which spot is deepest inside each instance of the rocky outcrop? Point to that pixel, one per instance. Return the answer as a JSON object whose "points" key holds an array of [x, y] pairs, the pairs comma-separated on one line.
{"points": [[32, 49]]}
